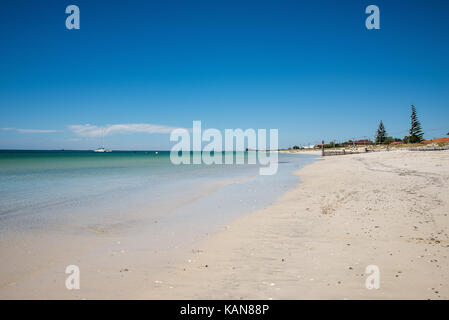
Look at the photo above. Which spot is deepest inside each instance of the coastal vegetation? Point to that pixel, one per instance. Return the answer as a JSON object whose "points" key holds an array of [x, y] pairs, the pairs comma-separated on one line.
{"points": [[381, 138], [381, 133], [416, 133]]}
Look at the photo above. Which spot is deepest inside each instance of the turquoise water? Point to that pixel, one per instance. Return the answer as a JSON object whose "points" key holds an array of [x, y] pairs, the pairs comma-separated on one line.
{"points": [[41, 189]]}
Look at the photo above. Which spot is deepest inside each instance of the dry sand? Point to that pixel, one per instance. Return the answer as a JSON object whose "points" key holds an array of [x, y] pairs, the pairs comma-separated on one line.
{"points": [[388, 209]]}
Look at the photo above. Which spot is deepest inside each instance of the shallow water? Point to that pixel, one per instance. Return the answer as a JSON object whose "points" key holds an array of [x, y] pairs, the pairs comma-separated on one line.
{"points": [[40, 189]]}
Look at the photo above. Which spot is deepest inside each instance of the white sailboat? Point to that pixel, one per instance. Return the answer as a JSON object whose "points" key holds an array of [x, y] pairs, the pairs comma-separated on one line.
{"points": [[102, 149]]}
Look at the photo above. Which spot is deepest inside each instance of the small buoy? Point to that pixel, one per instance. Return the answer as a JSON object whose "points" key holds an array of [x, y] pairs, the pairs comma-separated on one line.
{"points": [[157, 152]]}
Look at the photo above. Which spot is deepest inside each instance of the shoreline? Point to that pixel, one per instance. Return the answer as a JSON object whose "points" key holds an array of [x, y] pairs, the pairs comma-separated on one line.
{"points": [[384, 209], [121, 255]]}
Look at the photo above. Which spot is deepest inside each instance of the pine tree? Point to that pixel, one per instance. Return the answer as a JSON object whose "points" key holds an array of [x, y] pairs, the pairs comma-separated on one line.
{"points": [[416, 134], [381, 134]]}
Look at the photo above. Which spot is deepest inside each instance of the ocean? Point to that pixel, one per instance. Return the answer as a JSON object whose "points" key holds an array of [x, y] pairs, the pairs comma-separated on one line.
{"points": [[45, 189]]}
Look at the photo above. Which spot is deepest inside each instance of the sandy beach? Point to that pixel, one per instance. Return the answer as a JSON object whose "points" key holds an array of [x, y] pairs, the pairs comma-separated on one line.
{"points": [[387, 209], [384, 209]]}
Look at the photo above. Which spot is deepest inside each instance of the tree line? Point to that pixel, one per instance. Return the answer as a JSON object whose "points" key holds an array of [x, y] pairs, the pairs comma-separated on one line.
{"points": [[415, 132]]}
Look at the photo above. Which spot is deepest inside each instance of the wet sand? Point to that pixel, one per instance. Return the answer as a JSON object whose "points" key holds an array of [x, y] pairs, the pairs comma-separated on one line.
{"points": [[388, 209]]}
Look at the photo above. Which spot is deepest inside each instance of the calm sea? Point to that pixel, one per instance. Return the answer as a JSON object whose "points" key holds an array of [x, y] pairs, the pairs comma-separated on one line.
{"points": [[41, 189]]}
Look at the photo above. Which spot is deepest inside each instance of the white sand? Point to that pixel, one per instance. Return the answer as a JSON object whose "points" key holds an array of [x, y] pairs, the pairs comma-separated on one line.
{"points": [[388, 209]]}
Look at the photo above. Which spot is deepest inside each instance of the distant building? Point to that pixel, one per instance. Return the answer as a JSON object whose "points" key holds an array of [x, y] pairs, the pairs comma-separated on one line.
{"points": [[436, 140], [358, 143], [363, 142], [397, 142], [441, 140]]}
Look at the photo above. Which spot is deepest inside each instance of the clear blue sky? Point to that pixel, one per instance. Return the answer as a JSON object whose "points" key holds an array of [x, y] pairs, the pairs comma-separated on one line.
{"points": [[309, 68]]}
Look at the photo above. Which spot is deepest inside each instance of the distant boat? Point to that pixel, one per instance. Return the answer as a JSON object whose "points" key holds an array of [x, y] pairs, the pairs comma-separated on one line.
{"points": [[102, 149]]}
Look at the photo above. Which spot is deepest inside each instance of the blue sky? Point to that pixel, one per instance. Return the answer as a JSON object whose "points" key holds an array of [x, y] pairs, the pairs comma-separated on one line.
{"points": [[308, 68]]}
